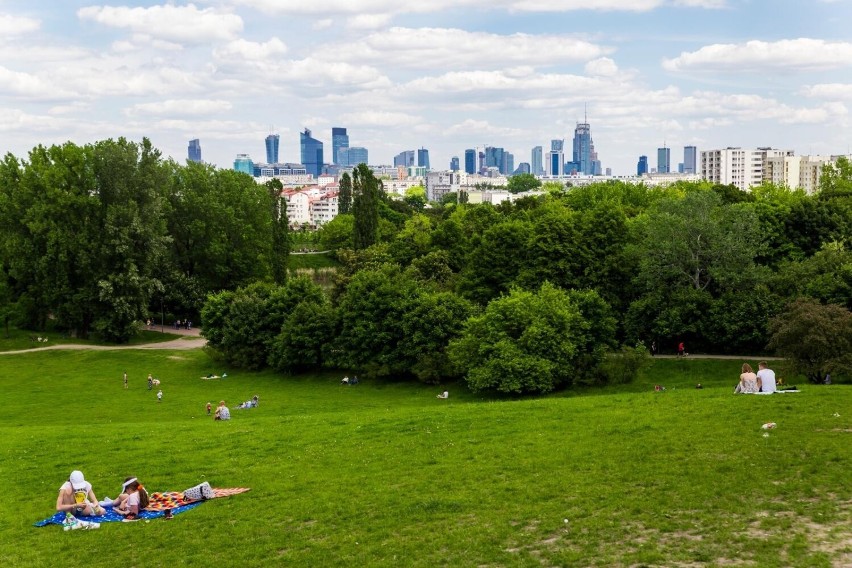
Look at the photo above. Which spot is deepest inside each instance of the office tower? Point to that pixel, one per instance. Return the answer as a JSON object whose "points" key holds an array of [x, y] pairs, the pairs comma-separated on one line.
{"points": [[497, 158], [584, 150], [339, 139], [523, 168], [454, 163], [609, 172], [194, 150], [405, 158], [352, 156], [690, 159], [272, 149], [243, 163], [555, 163], [508, 165], [571, 168], [664, 160], [470, 161], [311, 153], [536, 168], [423, 158], [480, 167], [642, 166], [557, 145]]}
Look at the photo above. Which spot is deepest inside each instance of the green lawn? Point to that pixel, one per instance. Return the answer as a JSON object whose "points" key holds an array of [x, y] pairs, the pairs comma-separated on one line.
{"points": [[385, 474]]}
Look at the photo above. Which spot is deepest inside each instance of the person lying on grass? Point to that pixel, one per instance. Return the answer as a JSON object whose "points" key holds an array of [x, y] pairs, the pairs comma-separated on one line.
{"points": [[77, 497], [133, 498]]}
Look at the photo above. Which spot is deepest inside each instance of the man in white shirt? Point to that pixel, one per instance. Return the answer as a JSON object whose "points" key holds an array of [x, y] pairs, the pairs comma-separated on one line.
{"points": [[766, 376]]}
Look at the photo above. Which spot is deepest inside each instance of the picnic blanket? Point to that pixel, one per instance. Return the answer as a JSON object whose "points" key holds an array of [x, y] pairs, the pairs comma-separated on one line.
{"points": [[157, 507]]}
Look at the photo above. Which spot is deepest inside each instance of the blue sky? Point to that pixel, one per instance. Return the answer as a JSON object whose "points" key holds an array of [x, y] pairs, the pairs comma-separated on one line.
{"points": [[442, 74]]}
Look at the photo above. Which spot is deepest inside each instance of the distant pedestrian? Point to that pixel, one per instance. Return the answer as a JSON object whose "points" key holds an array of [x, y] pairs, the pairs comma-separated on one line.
{"points": [[681, 349], [159, 396], [125, 379], [209, 407], [653, 348], [150, 381]]}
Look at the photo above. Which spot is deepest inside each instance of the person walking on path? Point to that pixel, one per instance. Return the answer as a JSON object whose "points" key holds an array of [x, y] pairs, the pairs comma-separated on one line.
{"points": [[681, 349]]}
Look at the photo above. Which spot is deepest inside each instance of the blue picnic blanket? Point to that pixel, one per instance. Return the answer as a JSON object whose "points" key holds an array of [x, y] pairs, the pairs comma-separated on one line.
{"points": [[110, 516]]}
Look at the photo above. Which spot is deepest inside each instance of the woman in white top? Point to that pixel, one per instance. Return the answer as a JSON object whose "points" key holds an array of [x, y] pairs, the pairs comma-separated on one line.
{"points": [[76, 497]]}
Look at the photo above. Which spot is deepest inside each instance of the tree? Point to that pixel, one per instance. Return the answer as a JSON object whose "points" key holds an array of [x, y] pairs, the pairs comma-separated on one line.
{"points": [[344, 198], [524, 342], [520, 183], [280, 231], [337, 233], [415, 197], [816, 339], [836, 179], [365, 207]]}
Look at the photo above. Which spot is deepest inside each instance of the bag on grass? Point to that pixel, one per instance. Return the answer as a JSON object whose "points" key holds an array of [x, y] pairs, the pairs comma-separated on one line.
{"points": [[199, 492]]}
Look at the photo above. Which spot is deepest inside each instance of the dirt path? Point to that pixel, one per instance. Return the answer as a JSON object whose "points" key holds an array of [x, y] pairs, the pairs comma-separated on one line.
{"points": [[191, 340], [731, 357]]}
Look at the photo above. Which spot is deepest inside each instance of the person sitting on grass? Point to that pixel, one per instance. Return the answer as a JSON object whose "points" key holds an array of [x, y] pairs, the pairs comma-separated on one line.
{"points": [[445, 394], [77, 497], [133, 498], [749, 381], [222, 412]]}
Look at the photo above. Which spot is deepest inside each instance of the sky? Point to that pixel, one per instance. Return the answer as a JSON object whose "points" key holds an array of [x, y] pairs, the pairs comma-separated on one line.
{"points": [[445, 75]]}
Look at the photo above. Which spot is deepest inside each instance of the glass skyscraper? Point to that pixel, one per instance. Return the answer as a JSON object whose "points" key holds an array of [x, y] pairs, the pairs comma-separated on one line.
{"points": [[470, 161], [690, 159], [405, 158], [536, 167], [584, 151], [664, 160], [423, 158], [243, 163], [351, 156], [339, 139], [194, 150], [454, 163], [272, 149], [311, 153], [642, 166]]}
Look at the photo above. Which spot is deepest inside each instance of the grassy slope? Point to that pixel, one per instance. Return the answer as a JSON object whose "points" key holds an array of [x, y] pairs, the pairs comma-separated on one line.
{"points": [[387, 475]]}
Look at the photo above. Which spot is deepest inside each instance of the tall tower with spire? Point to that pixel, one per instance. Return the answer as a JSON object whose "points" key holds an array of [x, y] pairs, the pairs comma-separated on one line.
{"points": [[585, 156]]}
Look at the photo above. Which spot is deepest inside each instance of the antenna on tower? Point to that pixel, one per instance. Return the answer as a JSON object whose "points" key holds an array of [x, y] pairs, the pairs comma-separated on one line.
{"points": [[585, 113]]}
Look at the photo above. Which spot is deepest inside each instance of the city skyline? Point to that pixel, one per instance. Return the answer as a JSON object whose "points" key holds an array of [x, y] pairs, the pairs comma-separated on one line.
{"points": [[705, 73]]}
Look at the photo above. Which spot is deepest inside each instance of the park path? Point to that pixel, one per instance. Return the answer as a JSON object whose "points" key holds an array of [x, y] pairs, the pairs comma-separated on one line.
{"points": [[191, 339], [731, 357]]}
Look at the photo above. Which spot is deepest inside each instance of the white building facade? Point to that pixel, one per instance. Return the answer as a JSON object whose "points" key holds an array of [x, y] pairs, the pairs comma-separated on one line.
{"points": [[740, 167]]}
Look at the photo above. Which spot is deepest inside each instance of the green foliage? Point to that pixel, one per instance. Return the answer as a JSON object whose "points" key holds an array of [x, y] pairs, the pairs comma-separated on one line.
{"points": [[816, 339], [527, 342], [344, 198], [625, 365], [309, 323], [365, 207], [415, 197], [523, 182], [337, 233]]}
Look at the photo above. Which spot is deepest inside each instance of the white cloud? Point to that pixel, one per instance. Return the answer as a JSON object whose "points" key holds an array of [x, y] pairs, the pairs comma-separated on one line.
{"points": [[244, 49], [28, 85], [755, 55], [17, 25], [454, 48], [187, 107], [181, 24], [832, 91], [482, 128], [322, 24], [378, 118], [602, 67], [368, 21]]}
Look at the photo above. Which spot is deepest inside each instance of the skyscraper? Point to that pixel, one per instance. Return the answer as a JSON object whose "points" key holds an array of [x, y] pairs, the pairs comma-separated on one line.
{"points": [[272, 149], [352, 156], [470, 161], [557, 145], [454, 163], [423, 158], [243, 163], [536, 168], [584, 150], [690, 159], [555, 163], [339, 139], [405, 159], [642, 166], [194, 150], [311, 153], [664, 160]]}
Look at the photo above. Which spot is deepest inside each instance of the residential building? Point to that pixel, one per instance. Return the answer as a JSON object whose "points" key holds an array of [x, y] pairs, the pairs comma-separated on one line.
{"points": [[312, 155], [536, 166], [797, 172], [664, 160], [642, 166], [690, 160], [740, 167], [339, 139], [194, 150], [243, 163], [352, 156], [325, 207], [470, 161], [272, 149]]}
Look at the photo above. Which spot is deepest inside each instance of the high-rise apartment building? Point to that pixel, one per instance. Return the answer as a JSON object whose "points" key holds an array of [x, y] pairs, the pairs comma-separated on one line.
{"points": [[536, 167], [194, 150], [664, 160], [312, 157], [352, 156], [470, 161], [423, 158], [339, 139], [742, 168], [797, 172], [690, 159], [642, 166], [454, 164], [272, 148], [243, 163]]}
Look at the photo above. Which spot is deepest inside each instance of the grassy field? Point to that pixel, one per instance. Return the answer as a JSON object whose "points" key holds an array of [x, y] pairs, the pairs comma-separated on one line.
{"points": [[385, 474]]}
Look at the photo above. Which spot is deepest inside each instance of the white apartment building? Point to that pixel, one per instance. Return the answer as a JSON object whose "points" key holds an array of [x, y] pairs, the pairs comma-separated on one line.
{"points": [[797, 172], [298, 207], [736, 166], [324, 208]]}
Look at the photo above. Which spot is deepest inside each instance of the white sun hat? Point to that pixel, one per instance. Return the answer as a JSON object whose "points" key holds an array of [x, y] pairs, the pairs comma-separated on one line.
{"points": [[78, 482]]}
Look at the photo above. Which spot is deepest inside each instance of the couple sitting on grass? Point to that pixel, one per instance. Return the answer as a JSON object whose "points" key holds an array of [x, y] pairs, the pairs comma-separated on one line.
{"points": [[762, 382], [77, 498]]}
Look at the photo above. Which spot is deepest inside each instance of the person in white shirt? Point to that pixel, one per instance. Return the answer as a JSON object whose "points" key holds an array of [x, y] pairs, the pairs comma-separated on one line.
{"points": [[444, 394], [766, 376]]}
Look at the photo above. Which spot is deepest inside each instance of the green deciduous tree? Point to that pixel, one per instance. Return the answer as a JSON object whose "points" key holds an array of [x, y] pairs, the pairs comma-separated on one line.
{"points": [[365, 207], [520, 183], [344, 198]]}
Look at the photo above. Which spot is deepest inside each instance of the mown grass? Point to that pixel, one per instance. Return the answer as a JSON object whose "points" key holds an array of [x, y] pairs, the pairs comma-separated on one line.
{"points": [[385, 474], [20, 339], [311, 261]]}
